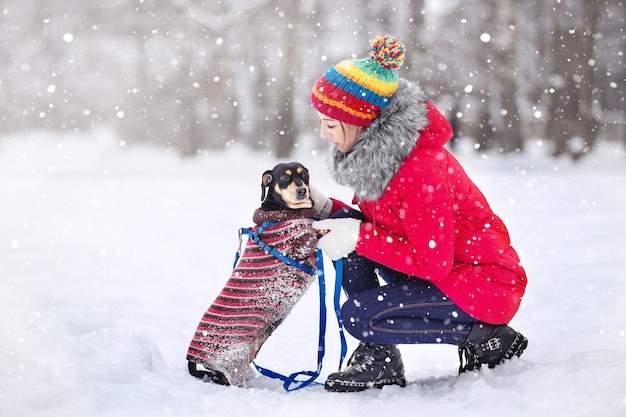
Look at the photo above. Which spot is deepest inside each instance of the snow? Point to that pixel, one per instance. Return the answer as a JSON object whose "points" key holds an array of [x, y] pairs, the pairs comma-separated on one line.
{"points": [[109, 255]]}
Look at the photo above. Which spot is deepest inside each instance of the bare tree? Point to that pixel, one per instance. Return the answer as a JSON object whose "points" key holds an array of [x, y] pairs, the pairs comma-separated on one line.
{"points": [[282, 128], [572, 126], [505, 74]]}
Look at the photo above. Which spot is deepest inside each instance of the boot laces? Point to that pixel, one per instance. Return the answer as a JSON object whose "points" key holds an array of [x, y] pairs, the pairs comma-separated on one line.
{"points": [[361, 359], [469, 361], [361, 363]]}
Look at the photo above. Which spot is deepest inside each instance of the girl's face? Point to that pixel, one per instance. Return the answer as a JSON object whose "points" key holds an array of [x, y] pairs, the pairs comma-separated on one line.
{"points": [[344, 136]]}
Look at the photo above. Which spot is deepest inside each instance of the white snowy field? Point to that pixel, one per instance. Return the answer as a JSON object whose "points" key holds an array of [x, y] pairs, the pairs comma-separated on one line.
{"points": [[109, 257]]}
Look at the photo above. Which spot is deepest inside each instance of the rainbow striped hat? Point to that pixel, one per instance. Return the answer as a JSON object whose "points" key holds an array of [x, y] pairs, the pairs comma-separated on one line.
{"points": [[354, 91]]}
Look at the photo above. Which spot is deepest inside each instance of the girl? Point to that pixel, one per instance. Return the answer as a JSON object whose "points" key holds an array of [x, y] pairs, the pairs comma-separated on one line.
{"points": [[423, 227]]}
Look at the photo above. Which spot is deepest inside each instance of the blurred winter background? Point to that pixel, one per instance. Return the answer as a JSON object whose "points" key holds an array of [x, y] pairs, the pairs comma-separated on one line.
{"points": [[132, 138], [197, 76]]}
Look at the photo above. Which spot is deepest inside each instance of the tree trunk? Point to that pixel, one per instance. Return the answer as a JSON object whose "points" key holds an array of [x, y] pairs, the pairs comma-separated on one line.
{"points": [[572, 126], [285, 131], [509, 134]]}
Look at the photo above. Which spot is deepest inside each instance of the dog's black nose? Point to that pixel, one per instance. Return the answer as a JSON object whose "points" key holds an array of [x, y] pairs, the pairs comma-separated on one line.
{"points": [[301, 192]]}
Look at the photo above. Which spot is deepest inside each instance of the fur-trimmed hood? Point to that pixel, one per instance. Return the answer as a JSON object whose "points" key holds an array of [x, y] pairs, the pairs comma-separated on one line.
{"points": [[384, 145]]}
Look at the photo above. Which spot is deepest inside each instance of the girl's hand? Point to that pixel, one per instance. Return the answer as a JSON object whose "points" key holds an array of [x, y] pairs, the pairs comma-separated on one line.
{"points": [[321, 203], [339, 236]]}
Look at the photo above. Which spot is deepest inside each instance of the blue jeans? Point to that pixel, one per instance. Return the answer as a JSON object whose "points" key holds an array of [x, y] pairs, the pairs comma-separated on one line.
{"points": [[407, 310]]}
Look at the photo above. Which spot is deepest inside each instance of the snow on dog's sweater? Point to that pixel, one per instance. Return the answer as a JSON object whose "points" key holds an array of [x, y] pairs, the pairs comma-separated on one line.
{"points": [[261, 291]]}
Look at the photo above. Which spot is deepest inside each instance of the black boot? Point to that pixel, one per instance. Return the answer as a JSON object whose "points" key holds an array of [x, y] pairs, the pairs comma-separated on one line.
{"points": [[490, 344], [370, 366]]}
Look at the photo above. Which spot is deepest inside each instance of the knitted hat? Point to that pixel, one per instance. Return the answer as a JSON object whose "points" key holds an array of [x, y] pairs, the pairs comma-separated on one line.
{"points": [[354, 91]]}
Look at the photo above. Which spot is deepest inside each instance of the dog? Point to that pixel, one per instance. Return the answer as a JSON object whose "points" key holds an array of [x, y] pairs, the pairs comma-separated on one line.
{"points": [[288, 186], [262, 288]]}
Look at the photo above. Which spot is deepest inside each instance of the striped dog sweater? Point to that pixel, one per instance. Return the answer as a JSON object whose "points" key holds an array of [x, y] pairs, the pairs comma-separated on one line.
{"points": [[259, 294]]}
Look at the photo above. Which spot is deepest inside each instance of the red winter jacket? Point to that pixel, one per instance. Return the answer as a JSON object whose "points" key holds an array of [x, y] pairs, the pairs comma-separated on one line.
{"points": [[433, 222]]}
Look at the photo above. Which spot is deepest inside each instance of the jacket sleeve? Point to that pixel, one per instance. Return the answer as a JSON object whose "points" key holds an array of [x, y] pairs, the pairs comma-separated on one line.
{"points": [[427, 213], [338, 205]]}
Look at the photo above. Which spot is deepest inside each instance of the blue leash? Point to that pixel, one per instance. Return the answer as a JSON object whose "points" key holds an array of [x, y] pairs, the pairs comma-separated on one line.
{"points": [[255, 237], [337, 305], [291, 382]]}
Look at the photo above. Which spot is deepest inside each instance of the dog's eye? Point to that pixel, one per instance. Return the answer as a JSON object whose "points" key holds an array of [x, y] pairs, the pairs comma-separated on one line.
{"points": [[305, 176], [284, 178]]}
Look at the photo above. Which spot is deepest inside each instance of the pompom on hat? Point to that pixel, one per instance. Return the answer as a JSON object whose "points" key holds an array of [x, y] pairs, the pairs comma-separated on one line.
{"points": [[354, 91]]}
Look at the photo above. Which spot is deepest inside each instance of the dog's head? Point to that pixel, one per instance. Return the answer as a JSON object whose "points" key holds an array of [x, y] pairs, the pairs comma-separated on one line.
{"points": [[286, 186]]}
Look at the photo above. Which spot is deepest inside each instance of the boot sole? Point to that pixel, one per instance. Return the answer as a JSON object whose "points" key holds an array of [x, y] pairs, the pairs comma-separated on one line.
{"points": [[352, 386]]}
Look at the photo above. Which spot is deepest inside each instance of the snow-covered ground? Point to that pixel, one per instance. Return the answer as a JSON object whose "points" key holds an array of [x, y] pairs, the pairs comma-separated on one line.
{"points": [[109, 256]]}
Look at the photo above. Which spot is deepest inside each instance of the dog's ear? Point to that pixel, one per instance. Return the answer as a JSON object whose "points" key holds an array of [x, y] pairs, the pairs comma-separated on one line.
{"points": [[266, 179]]}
